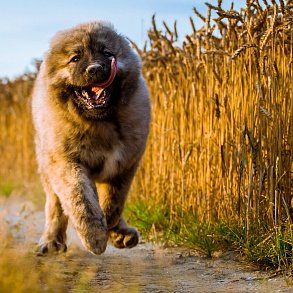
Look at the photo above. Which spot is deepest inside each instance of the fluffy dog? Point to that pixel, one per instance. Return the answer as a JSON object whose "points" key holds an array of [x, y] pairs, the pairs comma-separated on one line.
{"points": [[91, 113]]}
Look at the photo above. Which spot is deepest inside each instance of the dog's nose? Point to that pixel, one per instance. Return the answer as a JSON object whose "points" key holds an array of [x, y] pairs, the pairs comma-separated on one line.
{"points": [[94, 69]]}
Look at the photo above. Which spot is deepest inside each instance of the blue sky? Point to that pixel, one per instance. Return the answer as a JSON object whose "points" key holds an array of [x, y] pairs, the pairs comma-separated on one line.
{"points": [[26, 26]]}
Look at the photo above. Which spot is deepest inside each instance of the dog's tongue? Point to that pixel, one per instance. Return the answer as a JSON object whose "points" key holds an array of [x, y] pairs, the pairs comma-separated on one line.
{"points": [[99, 87]]}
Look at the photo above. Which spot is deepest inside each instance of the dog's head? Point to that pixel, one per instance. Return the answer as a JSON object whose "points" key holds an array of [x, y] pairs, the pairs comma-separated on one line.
{"points": [[92, 68]]}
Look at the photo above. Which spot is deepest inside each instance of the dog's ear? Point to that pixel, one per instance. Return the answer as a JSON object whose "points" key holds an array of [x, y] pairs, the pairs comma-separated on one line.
{"points": [[129, 71], [127, 88]]}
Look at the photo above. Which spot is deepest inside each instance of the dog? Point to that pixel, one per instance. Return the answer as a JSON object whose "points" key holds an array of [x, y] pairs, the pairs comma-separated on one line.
{"points": [[91, 114]]}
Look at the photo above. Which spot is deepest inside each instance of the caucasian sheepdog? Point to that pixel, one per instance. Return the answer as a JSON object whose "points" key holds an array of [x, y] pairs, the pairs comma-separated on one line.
{"points": [[91, 113]]}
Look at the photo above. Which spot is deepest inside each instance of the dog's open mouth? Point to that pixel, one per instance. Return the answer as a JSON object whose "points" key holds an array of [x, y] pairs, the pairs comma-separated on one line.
{"points": [[93, 99], [97, 95]]}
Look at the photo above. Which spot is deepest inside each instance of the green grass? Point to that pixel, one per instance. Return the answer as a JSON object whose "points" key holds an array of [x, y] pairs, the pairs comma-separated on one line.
{"points": [[154, 224], [7, 186], [32, 191], [269, 248]]}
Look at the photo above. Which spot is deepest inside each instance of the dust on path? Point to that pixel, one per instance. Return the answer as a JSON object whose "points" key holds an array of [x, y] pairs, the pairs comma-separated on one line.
{"points": [[145, 268]]}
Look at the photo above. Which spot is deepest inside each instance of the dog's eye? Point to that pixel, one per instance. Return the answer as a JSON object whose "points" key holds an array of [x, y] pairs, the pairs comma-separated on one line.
{"points": [[75, 58], [108, 54]]}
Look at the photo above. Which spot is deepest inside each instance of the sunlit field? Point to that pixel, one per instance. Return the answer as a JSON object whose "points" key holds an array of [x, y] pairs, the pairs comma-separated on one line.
{"points": [[219, 161], [218, 170]]}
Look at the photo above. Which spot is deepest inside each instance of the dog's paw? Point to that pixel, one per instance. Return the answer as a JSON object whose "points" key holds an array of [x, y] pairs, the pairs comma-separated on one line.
{"points": [[96, 243], [124, 237], [93, 234], [50, 246]]}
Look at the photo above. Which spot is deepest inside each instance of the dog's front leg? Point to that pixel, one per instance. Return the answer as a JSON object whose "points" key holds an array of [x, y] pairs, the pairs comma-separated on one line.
{"points": [[78, 197]]}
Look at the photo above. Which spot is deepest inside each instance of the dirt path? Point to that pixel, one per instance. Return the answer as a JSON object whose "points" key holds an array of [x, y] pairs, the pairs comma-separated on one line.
{"points": [[146, 268]]}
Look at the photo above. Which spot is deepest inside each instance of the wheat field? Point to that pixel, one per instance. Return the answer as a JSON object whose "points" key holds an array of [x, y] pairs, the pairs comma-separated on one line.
{"points": [[221, 139]]}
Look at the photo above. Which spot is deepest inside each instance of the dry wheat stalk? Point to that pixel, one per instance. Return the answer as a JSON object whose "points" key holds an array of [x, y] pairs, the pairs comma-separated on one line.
{"points": [[241, 49], [198, 14], [265, 37], [230, 14], [208, 20]]}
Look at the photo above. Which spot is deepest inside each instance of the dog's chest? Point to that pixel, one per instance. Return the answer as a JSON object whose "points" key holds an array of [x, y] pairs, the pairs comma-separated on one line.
{"points": [[103, 162], [112, 165]]}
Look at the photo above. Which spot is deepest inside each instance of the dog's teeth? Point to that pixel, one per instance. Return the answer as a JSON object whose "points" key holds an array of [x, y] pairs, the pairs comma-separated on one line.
{"points": [[85, 94]]}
